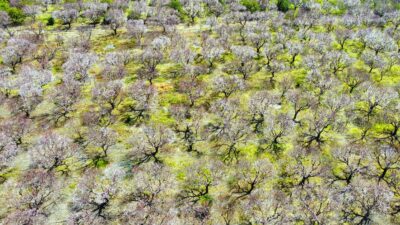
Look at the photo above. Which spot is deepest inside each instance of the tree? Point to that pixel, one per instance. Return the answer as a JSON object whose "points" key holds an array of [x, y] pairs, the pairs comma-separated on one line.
{"points": [[46, 3], [391, 131], [259, 36], [352, 162], [147, 199], [196, 186], [283, 37], [165, 17], [37, 30], [337, 61], [276, 127], [94, 196], [271, 51], [260, 105], [34, 194], [342, 36], [274, 67], [115, 18], [161, 43], [183, 54], [30, 87], [6, 83], [16, 50], [140, 9], [211, 51], [102, 138], [136, 29], [148, 143], [194, 200], [82, 43], [251, 5], [150, 59], [230, 135], [354, 78], [16, 128], [305, 169], [373, 98], [8, 150], [94, 11], [66, 15], [107, 96], [300, 101], [321, 82], [120, 4], [45, 55], [77, 66], [31, 11], [145, 99], [250, 177], [294, 50], [328, 22], [64, 98], [188, 128], [240, 17], [14, 10], [114, 65], [5, 22], [308, 18], [215, 7], [372, 60], [387, 160], [52, 151], [316, 201], [192, 88], [192, 9], [379, 42], [244, 64], [212, 22], [318, 124], [363, 200], [228, 85]]}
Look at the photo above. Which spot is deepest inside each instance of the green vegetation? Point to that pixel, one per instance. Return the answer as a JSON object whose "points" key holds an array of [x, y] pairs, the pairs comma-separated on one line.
{"points": [[199, 112], [283, 5], [16, 14], [251, 5], [50, 21]]}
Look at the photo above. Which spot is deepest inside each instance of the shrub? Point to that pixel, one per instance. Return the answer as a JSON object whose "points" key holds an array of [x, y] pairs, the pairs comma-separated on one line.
{"points": [[283, 5], [251, 5], [50, 21], [17, 16], [175, 4]]}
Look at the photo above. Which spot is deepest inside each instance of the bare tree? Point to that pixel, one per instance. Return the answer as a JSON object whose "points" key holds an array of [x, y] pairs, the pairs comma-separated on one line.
{"points": [[145, 98], [102, 139], [150, 59], [67, 15], [362, 200], [148, 200], [35, 194], [352, 162], [244, 63], [136, 29], [107, 96], [52, 151], [94, 196], [115, 18], [228, 85], [94, 12], [77, 66], [149, 143]]}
